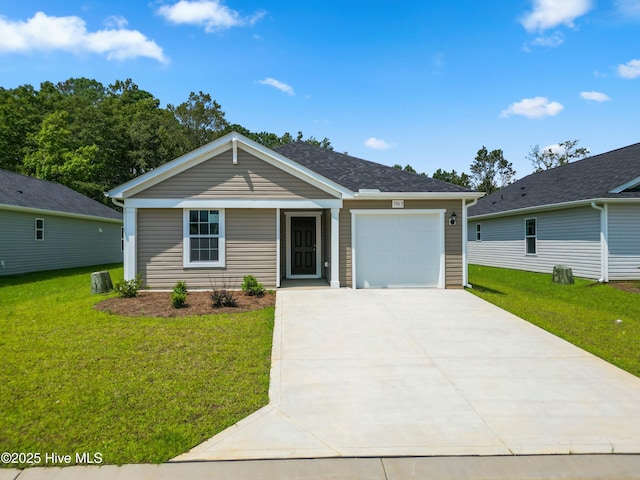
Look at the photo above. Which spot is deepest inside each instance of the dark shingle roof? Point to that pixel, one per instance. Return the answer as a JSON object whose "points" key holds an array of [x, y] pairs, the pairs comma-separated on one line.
{"points": [[590, 178], [355, 173], [22, 191]]}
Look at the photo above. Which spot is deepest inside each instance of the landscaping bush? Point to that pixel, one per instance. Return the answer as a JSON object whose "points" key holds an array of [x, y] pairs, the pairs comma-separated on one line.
{"points": [[179, 295], [178, 299], [128, 288], [223, 298], [251, 286]]}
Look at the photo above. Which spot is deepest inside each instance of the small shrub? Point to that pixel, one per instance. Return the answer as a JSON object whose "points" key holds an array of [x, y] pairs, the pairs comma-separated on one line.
{"points": [[180, 287], [223, 298], [178, 299], [251, 286], [128, 288]]}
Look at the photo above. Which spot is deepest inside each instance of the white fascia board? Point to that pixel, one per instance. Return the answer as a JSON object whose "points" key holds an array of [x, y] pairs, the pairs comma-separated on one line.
{"points": [[554, 206], [57, 213], [418, 195], [217, 147], [205, 203], [633, 183]]}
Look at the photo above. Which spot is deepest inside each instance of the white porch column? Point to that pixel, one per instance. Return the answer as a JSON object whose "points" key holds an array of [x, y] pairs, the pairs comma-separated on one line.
{"points": [[130, 241], [335, 248]]}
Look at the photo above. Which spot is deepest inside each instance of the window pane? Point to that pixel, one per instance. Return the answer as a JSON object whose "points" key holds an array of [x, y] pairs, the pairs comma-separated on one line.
{"points": [[204, 216], [214, 229], [204, 229], [213, 216], [193, 216], [531, 245], [531, 227], [193, 229]]}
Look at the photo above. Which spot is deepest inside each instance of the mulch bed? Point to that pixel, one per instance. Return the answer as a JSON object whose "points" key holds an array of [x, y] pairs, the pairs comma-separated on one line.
{"points": [[158, 304], [633, 287]]}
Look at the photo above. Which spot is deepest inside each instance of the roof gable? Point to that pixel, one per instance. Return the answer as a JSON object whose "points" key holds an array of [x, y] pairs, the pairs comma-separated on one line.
{"points": [[608, 175], [27, 193], [231, 141]]}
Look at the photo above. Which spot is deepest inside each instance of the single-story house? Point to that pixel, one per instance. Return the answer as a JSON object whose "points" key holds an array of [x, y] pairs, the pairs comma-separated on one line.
{"points": [[585, 215], [47, 226], [234, 207]]}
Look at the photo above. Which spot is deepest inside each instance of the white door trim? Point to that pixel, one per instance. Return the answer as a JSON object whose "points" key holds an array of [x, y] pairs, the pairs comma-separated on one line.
{"points": [[288, 216], [439, 212]]}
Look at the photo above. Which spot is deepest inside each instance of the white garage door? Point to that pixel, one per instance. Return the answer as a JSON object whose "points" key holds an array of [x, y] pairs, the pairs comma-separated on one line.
{"points": [[398, 249]]}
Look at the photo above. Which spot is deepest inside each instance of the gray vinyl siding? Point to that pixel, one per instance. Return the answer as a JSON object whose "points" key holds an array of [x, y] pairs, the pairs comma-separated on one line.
{"points": [[68, 242], [218, 177], [564, 237], [453, 235], [624, 242], [250, 246]]}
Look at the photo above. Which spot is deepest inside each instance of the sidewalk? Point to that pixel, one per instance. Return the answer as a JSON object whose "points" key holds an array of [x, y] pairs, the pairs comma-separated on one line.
{"points": [[550, 467]]}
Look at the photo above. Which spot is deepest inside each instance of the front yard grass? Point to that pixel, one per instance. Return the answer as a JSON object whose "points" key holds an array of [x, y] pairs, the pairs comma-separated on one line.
{"points": [[135, 390], [584, 314]]}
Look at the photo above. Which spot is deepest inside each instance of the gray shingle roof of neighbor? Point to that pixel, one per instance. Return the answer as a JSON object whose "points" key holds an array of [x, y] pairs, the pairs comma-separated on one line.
{"points": [[22, 191], [355, 173], [590, 178]]}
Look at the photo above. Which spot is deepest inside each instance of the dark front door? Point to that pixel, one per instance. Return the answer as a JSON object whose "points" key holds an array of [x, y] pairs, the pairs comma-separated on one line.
{"points": [[303, 245]]}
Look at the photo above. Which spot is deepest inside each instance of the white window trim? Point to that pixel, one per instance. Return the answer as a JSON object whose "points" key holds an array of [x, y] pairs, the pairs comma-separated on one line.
{"points": [[186, 261], [535, 237], [36, 230], [478, 231]]}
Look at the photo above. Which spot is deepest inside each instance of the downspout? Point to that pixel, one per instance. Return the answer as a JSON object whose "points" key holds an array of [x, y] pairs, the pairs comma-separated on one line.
{"points": [[118, 203], [465, 241], [604, 242]]}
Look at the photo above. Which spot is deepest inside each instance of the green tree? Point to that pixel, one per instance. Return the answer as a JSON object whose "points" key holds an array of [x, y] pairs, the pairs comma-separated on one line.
{"points": [[202, 119], [406, 168], [461, 179], [58, 160], [491, 171], [556, 155]]}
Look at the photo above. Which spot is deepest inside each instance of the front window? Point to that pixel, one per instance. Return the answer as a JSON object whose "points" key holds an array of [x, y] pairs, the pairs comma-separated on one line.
{"points": [[204, 238], [530, 235]]}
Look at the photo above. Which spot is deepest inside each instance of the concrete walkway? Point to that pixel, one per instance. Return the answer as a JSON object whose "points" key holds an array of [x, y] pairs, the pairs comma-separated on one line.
{"points": [[381, 373]]}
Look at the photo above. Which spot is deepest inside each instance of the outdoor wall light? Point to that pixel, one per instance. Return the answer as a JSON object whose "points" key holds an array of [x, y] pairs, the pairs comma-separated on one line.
{"points": [[453, 218]]}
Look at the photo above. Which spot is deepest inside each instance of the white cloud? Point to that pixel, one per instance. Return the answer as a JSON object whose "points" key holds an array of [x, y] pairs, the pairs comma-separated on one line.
{"points": [[116, 21], [283, 87], [210, 13], [630, 70], [44, 33], [537, 107], [551, 41], [628, 8], [377, 144], [595, 96], [548, 14]]}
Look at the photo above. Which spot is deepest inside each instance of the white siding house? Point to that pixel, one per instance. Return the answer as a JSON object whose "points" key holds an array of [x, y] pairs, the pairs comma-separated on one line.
{"points": [[47, 226], [585, 215]]}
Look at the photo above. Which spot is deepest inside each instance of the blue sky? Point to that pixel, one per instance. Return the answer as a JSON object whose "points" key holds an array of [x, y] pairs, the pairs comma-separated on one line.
{"points": [[409, 82]]}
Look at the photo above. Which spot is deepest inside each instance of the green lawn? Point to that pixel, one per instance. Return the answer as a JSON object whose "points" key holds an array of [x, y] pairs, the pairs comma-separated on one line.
{"points": [[132, 389], [585, 314]]}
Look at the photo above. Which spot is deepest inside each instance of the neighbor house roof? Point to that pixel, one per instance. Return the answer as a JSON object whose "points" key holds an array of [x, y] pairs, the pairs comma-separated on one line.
{"points": [[611, 175], [358, 174], [19, 192]]}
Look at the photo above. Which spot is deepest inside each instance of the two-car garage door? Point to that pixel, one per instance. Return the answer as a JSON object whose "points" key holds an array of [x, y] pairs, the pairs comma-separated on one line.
{"points": [[398, 248]]}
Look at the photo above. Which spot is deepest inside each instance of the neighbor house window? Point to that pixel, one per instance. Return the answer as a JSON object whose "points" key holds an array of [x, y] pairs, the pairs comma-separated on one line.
{"points": [[478, 232], [530, 235], [204, 238], [39, 228], [122, 239]]}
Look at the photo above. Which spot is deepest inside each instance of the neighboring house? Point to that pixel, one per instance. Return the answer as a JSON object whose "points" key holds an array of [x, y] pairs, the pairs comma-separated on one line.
{"points": [[234, 207], [585, 215], [47, 226]]}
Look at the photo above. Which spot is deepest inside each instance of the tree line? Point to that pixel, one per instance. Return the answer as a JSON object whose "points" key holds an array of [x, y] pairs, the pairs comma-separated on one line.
{"points": [[490, 171], [92, 138]]}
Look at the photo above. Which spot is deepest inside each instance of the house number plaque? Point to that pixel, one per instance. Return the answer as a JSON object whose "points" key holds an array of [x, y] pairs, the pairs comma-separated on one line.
{"points": [[397, 203]]}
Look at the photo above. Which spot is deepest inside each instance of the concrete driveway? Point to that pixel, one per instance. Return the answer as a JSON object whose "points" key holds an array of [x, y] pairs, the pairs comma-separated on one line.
{"points": [[426, 373]]}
